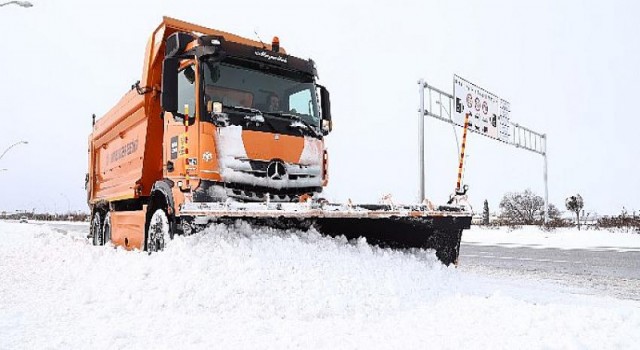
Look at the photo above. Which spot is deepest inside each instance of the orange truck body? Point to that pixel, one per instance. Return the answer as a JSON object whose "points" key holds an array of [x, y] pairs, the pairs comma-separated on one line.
{"points": [[133, 146]]}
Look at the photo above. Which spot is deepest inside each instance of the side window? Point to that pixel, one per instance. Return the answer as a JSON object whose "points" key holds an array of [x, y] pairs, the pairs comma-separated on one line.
{"points": [[301, 103], [187, 91]]}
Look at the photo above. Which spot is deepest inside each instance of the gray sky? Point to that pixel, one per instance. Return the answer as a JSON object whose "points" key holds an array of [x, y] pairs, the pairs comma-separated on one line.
{"points": [[569, 69]]}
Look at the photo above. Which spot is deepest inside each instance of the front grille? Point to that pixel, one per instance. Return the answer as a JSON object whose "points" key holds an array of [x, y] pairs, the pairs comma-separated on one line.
{"points": [[248, 193], [294, 171]]}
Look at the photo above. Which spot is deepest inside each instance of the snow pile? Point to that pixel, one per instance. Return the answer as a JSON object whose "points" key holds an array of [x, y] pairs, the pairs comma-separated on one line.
{"points": [[244, 288], [562, 238]]}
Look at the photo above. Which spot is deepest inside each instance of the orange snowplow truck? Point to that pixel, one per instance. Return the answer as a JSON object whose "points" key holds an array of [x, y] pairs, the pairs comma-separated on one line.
{"points": [[222, 128]]}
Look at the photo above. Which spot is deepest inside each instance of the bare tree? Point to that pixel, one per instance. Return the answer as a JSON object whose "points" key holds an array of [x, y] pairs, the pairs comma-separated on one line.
{"points": [[525, 208], [554, 212], [575, 204]]}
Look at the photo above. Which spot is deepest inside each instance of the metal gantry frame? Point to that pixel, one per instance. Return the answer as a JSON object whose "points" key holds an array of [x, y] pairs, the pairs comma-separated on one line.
{"points": [[521, 137]]}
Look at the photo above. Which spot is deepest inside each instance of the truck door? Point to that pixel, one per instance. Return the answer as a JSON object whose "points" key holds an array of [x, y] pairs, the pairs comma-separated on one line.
{"points": [[180, 131]]}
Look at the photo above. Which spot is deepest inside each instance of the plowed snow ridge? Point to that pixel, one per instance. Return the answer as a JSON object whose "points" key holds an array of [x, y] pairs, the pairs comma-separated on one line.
{"points": [[244, 288]]}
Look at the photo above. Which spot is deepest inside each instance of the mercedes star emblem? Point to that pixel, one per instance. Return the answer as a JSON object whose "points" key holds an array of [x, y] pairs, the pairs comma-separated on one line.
{"points": [[276, 170]]}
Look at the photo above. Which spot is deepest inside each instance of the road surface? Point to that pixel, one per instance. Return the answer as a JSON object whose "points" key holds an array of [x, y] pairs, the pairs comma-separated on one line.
{"points": [[604, 272]]}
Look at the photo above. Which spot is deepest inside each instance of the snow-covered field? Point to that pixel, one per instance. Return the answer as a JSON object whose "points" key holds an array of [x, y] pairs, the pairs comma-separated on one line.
{"points": [[245, 288], [562, 238]]}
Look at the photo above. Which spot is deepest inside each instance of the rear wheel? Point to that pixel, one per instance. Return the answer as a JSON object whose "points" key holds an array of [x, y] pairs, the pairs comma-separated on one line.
{"points": [[106, 229], [96, 229], [158, 231]]}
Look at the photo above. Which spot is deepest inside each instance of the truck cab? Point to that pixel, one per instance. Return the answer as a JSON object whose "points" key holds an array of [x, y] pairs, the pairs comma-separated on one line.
{"points": [[241, 121]]}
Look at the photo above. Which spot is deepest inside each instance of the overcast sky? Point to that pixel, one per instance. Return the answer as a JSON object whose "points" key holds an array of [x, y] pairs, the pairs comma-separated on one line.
{"points": [[569, 68]]}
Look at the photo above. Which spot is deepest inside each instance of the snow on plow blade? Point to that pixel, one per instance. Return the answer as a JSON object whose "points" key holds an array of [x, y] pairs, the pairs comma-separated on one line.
{"points": [[395, 227]]}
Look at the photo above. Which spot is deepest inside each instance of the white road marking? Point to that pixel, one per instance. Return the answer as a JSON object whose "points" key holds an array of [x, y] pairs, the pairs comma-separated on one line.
{"points": [[540, 246], [520, 259]]}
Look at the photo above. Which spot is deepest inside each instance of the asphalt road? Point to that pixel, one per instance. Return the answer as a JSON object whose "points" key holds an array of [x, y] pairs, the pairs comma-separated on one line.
{"points": [[603, 272]]}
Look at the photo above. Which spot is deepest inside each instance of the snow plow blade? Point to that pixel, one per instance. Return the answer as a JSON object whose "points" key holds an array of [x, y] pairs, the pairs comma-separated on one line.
{"points": [[442, 234], [394, 227]]}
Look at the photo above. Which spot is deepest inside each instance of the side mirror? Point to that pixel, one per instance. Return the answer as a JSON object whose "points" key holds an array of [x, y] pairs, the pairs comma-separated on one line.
{"points": [[325, 105], [176, 43], [170, 84]]}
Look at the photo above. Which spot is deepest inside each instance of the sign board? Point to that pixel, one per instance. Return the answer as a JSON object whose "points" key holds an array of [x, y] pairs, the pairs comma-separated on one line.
{"points": [[504, 126], [488, 114]]}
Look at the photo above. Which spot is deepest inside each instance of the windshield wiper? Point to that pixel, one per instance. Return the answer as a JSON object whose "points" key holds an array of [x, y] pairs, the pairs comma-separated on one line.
{"points": [[256, 117], [244, 109], [295, 118]]}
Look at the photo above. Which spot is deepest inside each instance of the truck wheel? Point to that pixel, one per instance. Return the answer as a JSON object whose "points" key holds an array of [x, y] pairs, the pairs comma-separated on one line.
{"points": [[158, 231], [106, 229], [96, 229]]}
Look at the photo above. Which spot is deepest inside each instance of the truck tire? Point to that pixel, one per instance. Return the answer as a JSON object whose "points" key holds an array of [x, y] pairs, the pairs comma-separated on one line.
{"points": [[157, 231], [106, 229], [96, 229]]}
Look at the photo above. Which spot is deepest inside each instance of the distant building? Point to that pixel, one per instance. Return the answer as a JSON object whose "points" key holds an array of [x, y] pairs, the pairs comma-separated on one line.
{"points": [[477, 218]]}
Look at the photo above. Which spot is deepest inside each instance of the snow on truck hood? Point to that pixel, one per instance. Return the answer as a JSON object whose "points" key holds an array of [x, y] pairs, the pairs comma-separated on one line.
{"points": [[234, 165]]}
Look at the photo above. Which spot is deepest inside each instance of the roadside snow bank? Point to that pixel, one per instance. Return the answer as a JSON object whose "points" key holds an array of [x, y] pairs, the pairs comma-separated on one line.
{"points": [[562, 238], [240, 287], [52, 222]]}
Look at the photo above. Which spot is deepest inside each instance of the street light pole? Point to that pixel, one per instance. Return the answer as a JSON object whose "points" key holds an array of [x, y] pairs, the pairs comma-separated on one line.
{"points": [[24, 4], [10, 147], [421, 111], [546, 183]]}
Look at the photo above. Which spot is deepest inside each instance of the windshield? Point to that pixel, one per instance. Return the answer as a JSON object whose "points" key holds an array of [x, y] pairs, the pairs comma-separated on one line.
{"points": [[242, 87]]}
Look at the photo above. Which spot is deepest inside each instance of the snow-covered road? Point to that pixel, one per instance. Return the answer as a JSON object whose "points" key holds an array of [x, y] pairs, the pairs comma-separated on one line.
{"points": [[597, 262], [244, 288]]}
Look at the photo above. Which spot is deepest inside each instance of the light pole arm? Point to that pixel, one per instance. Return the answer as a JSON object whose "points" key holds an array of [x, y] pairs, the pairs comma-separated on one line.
{"points": [[24, 4], [10, 147]]}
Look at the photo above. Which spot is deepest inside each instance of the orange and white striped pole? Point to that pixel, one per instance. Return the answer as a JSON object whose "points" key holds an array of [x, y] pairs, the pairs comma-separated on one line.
{"points": [[186, 141], [464, 143]]}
